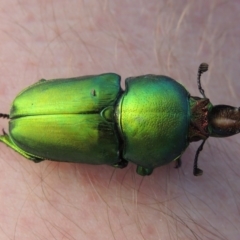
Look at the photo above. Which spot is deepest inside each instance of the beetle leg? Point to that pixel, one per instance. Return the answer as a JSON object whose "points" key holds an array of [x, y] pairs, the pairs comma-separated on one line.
{"points": [[36, 160], [42, 80], [8, 141], [144, 171], [122, 164], [197, 171], [178, 162]]}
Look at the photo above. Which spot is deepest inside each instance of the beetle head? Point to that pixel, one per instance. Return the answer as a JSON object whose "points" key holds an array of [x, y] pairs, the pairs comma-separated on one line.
{"points": [[224, 121]]}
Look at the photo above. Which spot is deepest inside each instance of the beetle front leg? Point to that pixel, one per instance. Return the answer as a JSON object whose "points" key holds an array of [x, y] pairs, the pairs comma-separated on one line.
{"points": [[8, 141], [197, 171]]}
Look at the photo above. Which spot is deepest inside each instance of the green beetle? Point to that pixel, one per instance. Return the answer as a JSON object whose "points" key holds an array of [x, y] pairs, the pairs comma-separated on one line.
{"points": [[92, 120]]}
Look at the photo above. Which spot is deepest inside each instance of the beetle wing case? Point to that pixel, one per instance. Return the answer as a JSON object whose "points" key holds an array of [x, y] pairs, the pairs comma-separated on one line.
{"points": [[61, 119]]}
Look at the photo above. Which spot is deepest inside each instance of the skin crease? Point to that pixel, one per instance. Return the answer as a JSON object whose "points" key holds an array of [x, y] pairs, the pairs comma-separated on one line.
{"points": [[49, 39]]}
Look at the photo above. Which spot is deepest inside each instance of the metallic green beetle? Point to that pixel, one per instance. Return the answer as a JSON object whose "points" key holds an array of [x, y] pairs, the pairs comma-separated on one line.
{"points": [[92, 120]]}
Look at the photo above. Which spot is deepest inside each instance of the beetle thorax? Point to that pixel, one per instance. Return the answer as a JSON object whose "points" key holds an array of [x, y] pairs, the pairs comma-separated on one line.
{"points": [[199, 110]]}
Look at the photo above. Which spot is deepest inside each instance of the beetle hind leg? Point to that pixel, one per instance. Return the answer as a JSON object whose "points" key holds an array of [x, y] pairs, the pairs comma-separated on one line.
{"points": [[122, 164]]}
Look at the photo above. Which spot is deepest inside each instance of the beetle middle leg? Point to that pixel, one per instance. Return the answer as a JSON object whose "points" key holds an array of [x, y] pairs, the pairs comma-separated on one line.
{"points": [[144, 171], [178, 162]]}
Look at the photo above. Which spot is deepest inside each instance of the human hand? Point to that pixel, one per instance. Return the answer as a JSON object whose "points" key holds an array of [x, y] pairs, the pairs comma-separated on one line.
{"points": [[49, 200]]}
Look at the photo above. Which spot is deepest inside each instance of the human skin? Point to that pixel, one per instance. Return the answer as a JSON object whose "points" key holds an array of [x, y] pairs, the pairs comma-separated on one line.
{"points": [[56, 39]]}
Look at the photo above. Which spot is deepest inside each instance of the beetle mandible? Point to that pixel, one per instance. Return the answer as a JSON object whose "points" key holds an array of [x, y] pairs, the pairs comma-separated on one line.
{"points": [[92, 120]]}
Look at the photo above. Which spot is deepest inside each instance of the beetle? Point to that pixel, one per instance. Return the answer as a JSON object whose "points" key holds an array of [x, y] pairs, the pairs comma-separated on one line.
{"points": [[92, 120]]}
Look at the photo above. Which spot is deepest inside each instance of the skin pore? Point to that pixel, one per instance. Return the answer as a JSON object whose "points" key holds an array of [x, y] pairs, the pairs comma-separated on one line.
{"points": [[52, 39]]}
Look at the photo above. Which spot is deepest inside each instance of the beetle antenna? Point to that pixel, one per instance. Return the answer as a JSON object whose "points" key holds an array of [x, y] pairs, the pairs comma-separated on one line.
{"points": [[197, 171], [202, 68], [3, 115]]}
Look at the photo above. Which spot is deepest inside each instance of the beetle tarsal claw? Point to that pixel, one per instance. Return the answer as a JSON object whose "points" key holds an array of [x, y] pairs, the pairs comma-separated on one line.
{"points": [[197, 172]]}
